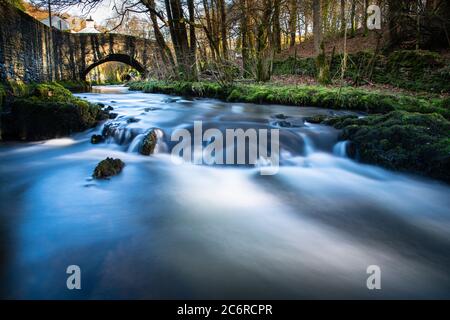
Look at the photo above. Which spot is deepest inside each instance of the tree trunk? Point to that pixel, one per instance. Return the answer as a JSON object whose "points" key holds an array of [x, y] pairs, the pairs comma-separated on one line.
{"points": [[245, 40], [223, 28], [352, 19], [212, 46], [366, 5], [317, 28], [178, 32], [276, 26], [292, 21], [192, 42], [166, 54]]}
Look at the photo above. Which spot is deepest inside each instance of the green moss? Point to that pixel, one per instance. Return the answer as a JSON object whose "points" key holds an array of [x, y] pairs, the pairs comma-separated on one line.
{"points": [[46, 110], [76, 86], [108, 168], [148, 144], [413, 142], [346, 98]]}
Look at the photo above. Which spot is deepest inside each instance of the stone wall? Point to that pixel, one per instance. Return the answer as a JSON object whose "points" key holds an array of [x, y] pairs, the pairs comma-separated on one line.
{"points": [[30, 51]]}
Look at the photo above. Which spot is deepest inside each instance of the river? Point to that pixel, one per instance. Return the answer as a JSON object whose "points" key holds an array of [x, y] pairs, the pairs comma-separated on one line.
{"points": [[166, 230]]}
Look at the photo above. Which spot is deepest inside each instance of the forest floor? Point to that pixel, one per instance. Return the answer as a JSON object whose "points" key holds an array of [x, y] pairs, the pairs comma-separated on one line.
{"points": [[358, 43]]}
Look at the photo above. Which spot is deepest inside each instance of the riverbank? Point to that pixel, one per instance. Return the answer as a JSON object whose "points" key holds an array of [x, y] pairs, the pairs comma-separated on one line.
{"points": [[404, 132], [43, 111], [342, 98]]}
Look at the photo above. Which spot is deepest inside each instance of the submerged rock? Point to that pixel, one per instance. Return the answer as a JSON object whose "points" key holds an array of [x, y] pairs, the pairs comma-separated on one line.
{"points": [[281, 116], [97, 138], [108, 168], [133, 120], [113, 115], [149, 143], [284, 124]]}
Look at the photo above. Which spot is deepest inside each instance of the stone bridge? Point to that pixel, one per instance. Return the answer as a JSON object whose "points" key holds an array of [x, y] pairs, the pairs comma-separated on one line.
{"points": [[30, 51]]}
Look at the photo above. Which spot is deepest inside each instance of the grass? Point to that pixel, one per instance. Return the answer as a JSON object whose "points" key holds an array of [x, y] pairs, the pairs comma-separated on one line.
{"points": [[346, 98]]}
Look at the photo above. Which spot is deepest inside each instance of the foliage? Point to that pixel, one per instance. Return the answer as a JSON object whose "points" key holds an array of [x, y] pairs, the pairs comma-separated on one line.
{"points": [[17, 3], [417, 70]]}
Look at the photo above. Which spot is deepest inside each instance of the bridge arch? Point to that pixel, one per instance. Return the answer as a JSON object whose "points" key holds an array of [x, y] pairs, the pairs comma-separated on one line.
{"points": [[124, 58]]}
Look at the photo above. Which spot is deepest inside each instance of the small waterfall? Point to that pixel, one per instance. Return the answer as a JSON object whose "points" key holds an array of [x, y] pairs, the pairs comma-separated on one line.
{"points": [[309, 144], [340, 149], [134, 145], [161, 146]]}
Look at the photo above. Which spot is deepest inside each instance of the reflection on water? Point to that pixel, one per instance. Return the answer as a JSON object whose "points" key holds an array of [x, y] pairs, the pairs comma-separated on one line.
{"points": [[160, 230]]}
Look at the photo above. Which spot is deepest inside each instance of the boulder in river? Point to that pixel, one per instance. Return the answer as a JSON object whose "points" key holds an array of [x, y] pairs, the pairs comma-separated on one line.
{"points": [[113, 115], [149, 143], [97, 138], [281, 116], [108, 168], [317, 118], [284, 124]]}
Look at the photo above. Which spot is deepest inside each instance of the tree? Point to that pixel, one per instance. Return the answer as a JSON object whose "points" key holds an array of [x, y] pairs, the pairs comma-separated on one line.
{"points": [[293, 8], [317, 26]]}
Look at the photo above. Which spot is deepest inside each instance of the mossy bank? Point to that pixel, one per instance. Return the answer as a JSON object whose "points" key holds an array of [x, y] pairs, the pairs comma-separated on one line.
{"points": [[345, 98], [45, 111], [400, 140]]}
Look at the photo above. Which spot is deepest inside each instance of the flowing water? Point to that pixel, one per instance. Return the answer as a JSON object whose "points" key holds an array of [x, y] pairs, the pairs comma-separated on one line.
{"points": [[162, 230]]}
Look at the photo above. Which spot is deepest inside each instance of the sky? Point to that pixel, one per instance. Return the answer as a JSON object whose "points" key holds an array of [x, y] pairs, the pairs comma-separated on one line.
{"points": [[99, 14]]}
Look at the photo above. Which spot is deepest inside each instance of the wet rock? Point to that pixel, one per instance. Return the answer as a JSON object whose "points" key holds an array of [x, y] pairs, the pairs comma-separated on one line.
{"points": [[108, 168], [151, 109], [102, 115], [113, 115], [97, 138], [281, 116], [101, 105], [284, 124], [149, 143], [318, 118], [109, 108], [110, 128], [133, 120]]}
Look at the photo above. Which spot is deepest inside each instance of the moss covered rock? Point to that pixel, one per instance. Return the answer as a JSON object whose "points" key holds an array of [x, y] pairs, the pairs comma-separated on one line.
{"points": [[97, 138], [148, 143], [108, 168], [48, 110], [413, 142]]}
